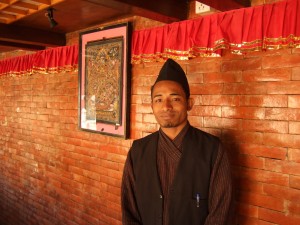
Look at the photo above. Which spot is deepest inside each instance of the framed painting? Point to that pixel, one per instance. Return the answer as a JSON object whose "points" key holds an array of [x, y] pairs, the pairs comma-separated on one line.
{"points": [[104, 80]]}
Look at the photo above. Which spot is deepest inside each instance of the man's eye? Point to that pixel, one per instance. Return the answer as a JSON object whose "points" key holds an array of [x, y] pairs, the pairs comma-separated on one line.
{"points": [[157, 100], [176, 99]]}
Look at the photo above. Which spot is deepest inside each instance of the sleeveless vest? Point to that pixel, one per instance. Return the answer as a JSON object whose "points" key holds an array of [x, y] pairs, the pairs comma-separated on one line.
{"points": [[190, 188]]}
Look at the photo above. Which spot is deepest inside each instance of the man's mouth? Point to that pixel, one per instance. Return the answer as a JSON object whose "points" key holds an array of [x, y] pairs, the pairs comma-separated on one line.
{"points": [[167, 115]]}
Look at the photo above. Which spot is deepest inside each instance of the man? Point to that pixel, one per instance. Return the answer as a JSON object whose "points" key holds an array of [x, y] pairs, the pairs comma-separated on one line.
{"points": [[178, 175]]}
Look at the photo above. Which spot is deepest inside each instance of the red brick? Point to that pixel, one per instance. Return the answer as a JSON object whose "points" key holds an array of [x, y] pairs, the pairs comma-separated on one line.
{"points": [[291, 168], [197, 99], [248, 161], [285, 167], [221, 100], [136, 99], [213, 111], [244, 88], [213, 131], [294, 208], [295, 182], [243, 137], [246, 220], [272, 216], [296, 73], [243, 112], [288, 87], [204, 66], [278, 217], [143, 108], [282, 114], [279, 191], [215, 122], [281, 140], [247, 210], [226, 77], [141, 90], [241, 64], [251, 186], [262, 222], [264, 201], [120, 142], [294, 101], [89, 145], [206, 89], [279, 74], [195, 78], [265, 126], [264, 151], [148, 118], [264, 176], [281, 61], [196, 121], [274, 165], [149, 127]]}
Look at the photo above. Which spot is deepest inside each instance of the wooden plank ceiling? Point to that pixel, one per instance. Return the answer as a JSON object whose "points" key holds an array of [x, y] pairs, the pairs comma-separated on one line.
{"points": [[24, 23]]}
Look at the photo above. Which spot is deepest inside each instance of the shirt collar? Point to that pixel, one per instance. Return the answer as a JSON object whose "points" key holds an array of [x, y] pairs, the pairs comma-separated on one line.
{"points": [[177, 141]]}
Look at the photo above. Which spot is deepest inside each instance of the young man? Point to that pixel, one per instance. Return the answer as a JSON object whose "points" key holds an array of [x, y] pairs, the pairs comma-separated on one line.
{"points": [[178, 175]]}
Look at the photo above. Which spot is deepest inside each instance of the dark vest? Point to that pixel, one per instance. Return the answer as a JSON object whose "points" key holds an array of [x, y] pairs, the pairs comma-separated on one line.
{"points": [[189, 192]]}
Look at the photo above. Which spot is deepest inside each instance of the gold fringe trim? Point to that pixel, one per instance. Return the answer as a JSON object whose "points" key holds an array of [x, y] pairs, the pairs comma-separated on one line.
{"points": [[35, 70], [291, 41]]}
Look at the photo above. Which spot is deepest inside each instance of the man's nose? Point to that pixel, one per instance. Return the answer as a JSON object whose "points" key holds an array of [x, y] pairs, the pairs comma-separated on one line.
{"points": [[167, 105]]}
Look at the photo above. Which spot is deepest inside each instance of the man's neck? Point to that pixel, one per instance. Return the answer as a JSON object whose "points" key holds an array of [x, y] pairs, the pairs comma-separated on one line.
{"points": [[172, 132]]}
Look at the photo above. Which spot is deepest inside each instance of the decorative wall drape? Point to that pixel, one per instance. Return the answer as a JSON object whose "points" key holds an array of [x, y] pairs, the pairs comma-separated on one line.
{"points": [[271, 26], [52, 60]]}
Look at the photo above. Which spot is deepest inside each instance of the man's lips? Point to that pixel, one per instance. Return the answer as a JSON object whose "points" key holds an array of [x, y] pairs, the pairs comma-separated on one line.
{"points": [[166, 115]]}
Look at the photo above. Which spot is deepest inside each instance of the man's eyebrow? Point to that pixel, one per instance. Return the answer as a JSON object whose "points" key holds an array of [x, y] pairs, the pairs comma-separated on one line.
{"points": [[158, 95], [172, 94]]}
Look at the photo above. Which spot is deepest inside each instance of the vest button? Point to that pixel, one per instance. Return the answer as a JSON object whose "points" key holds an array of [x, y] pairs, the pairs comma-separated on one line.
{"points": [[160, 196]]}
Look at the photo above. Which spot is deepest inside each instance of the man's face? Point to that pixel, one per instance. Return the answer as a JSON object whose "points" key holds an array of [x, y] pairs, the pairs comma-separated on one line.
{"points": [[169, 104]]}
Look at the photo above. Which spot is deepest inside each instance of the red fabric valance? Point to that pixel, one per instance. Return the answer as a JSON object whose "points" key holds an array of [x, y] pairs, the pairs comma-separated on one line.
{"points": [[52, 60], [271, 26]]}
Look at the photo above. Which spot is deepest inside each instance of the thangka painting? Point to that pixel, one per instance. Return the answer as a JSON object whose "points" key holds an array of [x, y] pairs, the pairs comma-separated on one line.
{"points": [[104, 80]]}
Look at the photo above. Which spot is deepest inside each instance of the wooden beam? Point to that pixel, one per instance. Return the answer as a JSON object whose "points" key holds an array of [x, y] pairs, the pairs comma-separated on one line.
{"points": [[31, 36], [163, 10], [14, 45], [226, 5], [170, 8]]}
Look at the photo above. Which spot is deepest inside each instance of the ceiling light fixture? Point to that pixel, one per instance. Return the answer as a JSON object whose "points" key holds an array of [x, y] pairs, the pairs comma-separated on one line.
{"points": [[49, 15]]}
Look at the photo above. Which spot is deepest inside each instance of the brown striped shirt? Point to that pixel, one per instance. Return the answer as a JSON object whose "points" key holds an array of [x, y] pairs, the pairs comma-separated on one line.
{"points": [[168, 156]]}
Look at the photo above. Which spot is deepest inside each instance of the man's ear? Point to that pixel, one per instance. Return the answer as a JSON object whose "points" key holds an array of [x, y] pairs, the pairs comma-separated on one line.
{"points": [[190, 103]]}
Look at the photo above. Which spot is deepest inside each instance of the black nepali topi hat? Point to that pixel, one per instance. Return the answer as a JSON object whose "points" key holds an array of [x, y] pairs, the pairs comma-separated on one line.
{"points": [[171, 70]]}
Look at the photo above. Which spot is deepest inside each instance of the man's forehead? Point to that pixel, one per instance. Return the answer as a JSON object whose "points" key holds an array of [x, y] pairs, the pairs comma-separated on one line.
{"points": [[167, 87]]}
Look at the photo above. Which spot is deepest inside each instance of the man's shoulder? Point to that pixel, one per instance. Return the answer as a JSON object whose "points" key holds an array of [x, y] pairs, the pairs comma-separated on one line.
{"points": [[141, 148], [146, 139], [197, 133]]}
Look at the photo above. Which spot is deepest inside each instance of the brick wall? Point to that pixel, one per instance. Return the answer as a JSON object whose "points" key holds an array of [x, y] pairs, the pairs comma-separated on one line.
{"points": [[53, 173], [253, 104]]}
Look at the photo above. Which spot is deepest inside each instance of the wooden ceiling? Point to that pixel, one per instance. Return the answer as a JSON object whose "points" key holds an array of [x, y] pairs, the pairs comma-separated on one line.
{"points": [[12, 10], [24, 23]]}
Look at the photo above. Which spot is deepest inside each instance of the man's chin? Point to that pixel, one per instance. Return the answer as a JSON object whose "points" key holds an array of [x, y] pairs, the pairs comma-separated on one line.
{"points": [[167, 125]]}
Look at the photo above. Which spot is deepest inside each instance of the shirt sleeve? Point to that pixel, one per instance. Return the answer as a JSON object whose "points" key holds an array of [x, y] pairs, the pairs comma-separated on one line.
{"points": [[130, 213], [220, 191]]}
